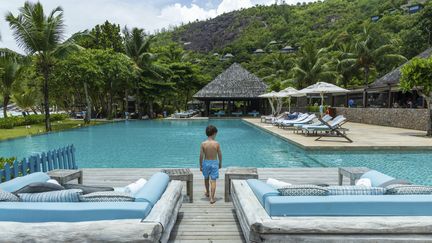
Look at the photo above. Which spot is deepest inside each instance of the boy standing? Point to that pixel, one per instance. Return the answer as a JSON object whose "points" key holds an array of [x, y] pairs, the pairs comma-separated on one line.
{"points": [[210, 152]]}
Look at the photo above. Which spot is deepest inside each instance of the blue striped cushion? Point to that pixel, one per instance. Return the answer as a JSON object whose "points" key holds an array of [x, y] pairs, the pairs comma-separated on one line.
{"points": [[71, 195], [355, 190], [106, 196]]}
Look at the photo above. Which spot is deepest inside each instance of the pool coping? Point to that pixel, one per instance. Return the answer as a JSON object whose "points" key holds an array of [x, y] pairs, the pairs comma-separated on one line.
{"points": [[340, 148]]}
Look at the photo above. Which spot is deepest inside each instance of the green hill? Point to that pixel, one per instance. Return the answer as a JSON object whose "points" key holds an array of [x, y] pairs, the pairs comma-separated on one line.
{"points": [[322, 23]]}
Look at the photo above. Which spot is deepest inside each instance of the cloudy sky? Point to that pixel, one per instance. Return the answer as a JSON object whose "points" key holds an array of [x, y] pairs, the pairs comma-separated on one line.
{"points": [[148, 14]]}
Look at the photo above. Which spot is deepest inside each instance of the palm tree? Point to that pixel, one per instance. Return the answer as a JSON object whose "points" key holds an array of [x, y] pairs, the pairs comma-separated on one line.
{"points": [[41, 36], [368, 54], [311, 66], [10, 69], [137, 47], [27, 100]]}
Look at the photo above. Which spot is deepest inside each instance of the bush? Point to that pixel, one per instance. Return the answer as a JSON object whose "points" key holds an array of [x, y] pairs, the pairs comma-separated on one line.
{"points": [[4, 161], [315, 109], [15, 121]]}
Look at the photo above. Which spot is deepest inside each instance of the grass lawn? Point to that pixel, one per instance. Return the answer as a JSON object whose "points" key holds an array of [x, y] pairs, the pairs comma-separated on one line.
{"points": [[40, 128]]}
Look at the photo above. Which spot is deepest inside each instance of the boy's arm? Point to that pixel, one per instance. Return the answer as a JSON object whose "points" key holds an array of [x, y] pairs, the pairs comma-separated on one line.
{"points": [[201, 157], [219, 156]]}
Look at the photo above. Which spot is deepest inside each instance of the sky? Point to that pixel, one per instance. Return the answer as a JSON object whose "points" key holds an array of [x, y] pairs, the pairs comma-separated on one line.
{"points": [[150, 15]]}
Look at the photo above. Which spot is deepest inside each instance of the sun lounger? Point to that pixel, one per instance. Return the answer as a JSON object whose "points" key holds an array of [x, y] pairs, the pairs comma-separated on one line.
{"points": [[272, 119], [149, 218], [220, 113], [332, 127], [299, 126], [307, 120], [266, 216], [299, 118]]}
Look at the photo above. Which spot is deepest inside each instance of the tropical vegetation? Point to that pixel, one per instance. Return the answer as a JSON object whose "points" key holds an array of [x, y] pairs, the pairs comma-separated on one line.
{"points": [[109, 70]]}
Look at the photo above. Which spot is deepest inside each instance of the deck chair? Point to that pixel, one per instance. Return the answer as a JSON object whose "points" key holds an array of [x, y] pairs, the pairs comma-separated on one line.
{"points": [[334, 126], [299, 126], [307, 120], [299, 118]]}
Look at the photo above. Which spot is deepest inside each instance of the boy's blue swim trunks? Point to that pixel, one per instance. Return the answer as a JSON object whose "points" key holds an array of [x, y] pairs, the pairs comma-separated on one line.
{"points": [[210, 169]]}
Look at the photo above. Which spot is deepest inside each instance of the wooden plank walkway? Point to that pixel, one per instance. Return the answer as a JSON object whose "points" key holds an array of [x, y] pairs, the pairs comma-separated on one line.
{"points": [[199, 221]]}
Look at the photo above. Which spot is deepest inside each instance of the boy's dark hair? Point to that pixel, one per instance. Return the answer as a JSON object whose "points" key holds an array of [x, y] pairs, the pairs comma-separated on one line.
{"points": [[211, 130]]}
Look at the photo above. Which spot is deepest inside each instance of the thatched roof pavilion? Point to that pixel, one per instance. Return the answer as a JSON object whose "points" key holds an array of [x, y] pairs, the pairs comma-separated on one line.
{"points": [[234, 84], [392, 78]]}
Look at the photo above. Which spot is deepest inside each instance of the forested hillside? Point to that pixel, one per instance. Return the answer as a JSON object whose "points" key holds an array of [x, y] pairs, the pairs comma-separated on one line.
{"points": [[337, 25]]}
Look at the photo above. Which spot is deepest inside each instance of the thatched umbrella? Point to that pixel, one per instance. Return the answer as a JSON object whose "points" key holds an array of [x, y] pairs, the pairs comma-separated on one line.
{"points": [[272, 96], [288, 93], [323, 88]]}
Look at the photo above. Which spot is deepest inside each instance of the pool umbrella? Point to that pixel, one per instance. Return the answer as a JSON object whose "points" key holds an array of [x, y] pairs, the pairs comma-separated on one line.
{"points": [[288, 93], [271, 97], [323, 88]]}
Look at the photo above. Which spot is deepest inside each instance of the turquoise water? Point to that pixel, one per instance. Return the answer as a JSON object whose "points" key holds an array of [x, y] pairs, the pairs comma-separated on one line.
{"points": [[176, 144]]}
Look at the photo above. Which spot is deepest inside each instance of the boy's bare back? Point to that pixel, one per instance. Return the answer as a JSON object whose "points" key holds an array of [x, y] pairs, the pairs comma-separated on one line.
{"points": [[210, 149]]}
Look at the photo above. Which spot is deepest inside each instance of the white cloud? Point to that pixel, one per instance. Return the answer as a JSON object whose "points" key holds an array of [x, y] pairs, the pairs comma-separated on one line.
{"points": [[178, 13], [229, 5]]}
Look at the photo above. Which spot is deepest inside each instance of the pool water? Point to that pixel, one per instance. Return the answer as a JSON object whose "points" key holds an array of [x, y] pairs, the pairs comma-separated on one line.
{"points": [[167, 143]]}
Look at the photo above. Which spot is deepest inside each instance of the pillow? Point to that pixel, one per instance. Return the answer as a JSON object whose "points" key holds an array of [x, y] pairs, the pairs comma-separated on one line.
{"points": [[88, 189], [276, 184], [111, 196], [71, 195], [395, 181], [53, 181], [364, 182], [8, 197], [400, 189], [355, 190], [37, 187], [303, 190]]}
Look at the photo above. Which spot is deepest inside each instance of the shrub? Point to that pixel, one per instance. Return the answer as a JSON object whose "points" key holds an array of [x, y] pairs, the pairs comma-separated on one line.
{"points": [[4, 161], [15, 121], [315, 109]]}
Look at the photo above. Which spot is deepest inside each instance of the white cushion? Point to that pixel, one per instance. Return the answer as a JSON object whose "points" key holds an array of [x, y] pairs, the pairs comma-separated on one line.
{"points": [[276, 184], [364, 182], [53, 182]]}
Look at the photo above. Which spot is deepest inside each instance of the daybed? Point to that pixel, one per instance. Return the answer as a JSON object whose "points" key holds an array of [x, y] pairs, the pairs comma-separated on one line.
{"points": [[265, 216], [149, 218]]}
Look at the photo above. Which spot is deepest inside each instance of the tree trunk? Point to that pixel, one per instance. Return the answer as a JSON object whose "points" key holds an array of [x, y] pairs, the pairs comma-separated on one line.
{"points": [[46, 100], [125, 103], [429, 125], [150, 109], [186, 101], [88, 101], [366, 72], [5, 103], [138, 103]]}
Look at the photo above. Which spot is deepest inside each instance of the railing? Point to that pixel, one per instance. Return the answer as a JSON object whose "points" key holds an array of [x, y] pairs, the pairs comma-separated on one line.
{"points": [[63, 158]]}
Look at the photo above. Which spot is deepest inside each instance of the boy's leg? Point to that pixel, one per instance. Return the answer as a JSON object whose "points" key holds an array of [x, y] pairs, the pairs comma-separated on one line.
{"points": [[212, 190], [206, 183]]}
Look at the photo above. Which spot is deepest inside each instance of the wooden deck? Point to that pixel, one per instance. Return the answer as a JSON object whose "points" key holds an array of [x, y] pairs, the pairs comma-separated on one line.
{"points": [[199, 221]]}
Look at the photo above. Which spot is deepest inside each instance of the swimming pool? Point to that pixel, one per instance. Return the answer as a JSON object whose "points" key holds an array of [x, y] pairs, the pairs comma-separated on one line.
{"points": [[167, 143]]}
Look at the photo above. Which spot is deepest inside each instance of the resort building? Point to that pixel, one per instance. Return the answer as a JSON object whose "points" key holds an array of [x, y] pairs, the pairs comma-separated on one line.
{"points": [[237, 89]]}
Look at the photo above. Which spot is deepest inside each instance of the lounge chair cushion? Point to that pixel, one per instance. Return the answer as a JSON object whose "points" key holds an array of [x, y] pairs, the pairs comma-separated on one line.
{"points": [[276, 184], [355, 190], [356, 205], [38, 187], [262, 190], [377, 178], [20, 182], [8, 197], [403, 189], [108, 196], [88, 189], [303, 190], [72, 212], [153, 189], [71, 195]]}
